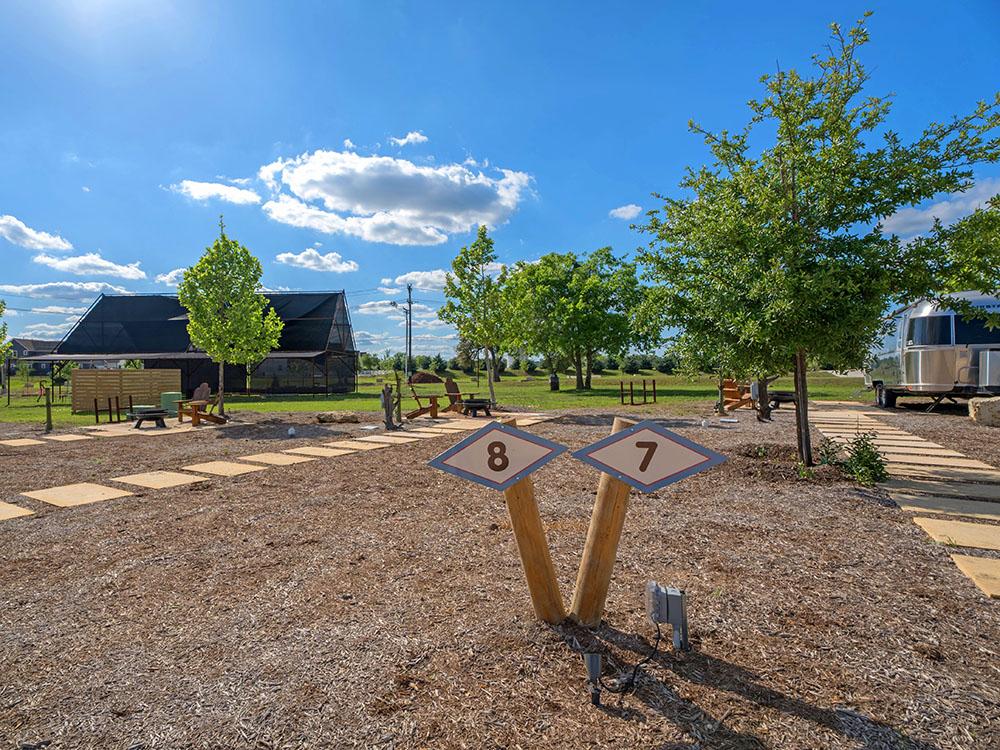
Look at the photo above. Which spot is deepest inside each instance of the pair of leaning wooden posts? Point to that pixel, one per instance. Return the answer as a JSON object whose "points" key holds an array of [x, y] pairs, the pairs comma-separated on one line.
{"points": [[643, 455]]}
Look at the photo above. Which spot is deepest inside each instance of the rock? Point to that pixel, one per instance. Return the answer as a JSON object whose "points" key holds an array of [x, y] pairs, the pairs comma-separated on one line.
{"points": [[985, 411], [338, 417]]}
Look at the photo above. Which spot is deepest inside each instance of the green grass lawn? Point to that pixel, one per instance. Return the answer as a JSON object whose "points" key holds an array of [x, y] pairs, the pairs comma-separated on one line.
{"points": [[680, 394]]}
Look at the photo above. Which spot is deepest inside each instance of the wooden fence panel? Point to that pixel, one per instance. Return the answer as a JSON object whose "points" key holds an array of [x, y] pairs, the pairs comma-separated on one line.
{"points": [[144, 386]]}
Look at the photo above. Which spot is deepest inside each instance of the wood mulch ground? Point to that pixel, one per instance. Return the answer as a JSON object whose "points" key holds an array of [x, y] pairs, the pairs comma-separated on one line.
{"points": [[371, 601]]}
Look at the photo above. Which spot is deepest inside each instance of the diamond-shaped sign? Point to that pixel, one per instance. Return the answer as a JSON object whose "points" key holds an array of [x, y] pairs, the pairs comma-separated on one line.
{"points": [[497, 456], [648, 456]]}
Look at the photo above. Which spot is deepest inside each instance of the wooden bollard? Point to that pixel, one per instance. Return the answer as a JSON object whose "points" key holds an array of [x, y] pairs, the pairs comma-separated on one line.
{"points": [[598, 561], [621, 389], [533, 546], [654, 391], [534, 549], [644, 390], [631, 393], [97, 413]]}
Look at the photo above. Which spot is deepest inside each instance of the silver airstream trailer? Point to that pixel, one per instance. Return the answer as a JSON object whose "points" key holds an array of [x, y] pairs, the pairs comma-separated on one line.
{"points": [[933, 352]]}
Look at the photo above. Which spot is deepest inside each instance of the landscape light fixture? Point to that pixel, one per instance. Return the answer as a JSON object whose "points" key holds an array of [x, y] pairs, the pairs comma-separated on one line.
{"points": [[593, 664], [668, 605]]}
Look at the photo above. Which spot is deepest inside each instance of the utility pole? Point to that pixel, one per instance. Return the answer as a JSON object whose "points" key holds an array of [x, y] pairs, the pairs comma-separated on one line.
{"points": [[409, 325]]}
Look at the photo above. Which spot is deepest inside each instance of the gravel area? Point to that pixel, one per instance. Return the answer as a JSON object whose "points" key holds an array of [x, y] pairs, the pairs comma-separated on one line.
{"points": [[371, 601]]}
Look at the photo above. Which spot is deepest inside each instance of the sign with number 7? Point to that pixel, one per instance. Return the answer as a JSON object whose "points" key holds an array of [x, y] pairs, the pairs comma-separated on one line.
{"points": [[648, 456]]}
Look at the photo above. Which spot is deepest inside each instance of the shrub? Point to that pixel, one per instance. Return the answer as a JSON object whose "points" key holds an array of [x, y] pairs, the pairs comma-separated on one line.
{"points": [[515, 363], [645, 362], [829, 452], [612, 363], [631, 366], [597, 365], [530, 366], [438, 364], [864, 462]]}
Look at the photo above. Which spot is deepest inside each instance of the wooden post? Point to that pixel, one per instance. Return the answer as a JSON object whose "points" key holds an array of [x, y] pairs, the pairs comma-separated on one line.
{"points": [[621, 389], [654, 391], [598, 561], [631, 393], [97, 413], [111, 417], [118, 409], [534, 548], [48, 410], [644, 391]]}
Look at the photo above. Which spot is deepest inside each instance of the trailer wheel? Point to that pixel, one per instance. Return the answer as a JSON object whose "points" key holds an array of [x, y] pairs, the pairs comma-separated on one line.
{"points": [[884, 398]]}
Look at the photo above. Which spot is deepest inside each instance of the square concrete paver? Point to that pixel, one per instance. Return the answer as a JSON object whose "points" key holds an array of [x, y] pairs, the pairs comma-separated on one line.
{"points": [[9, 511], [224, 468], [961, 533], [315, 450], [276, 459], [159, 480], [388, 439], [948, 506], [984, 572], [21, 442], [356, 445], [68, 438], [68, 495]]}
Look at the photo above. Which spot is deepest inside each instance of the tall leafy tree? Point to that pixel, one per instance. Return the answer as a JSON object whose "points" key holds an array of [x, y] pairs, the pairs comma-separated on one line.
{"points": [[228, 318], [4, 343], [566, 307], [475, 301], [777, 256]]}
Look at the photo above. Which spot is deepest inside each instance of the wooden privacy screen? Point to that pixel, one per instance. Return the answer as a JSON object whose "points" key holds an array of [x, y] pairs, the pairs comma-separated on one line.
{"points": [[144, 386]]}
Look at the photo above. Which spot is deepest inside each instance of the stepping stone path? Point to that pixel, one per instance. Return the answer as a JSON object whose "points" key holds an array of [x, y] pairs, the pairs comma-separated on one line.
{"points": [[929, 478], [87, 492]]}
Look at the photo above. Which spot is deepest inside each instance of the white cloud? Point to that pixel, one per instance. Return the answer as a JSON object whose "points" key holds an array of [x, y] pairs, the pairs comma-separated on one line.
{"points": [[8, 313], [91, 264], [385, 199], [314, 261], [385, 307], [171, 278], [910, 221], [203, 191], [47, 330], [85, 189], [626, 212], [18, 233], [83, 291], [349, 144], [59, 310], [414, 136], [427, 281]]}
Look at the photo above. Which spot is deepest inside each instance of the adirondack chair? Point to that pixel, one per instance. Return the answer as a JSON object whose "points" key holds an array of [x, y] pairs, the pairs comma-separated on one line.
{"points": [[200, 406], [465, 402], [735, 395], [431, 408]]}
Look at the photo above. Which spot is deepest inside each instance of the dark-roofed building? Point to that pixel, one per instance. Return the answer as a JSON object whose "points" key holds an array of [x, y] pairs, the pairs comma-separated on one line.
{"points": [[23, 347], [316, 352]]}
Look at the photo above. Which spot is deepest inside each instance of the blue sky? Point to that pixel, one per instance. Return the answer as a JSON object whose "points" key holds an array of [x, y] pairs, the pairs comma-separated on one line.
{"points": [[355, 145]]}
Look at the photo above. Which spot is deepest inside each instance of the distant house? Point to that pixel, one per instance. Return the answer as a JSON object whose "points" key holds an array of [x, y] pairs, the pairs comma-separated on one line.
{"points": [[21, 348], [316, 352]]}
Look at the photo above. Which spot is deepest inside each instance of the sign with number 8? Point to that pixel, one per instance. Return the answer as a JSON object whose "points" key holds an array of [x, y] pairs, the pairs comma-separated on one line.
{"points": [[497, 456]]}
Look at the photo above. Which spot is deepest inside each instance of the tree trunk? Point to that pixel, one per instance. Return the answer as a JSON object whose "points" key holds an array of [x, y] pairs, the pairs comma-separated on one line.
{"points": [[802, 409], [222, 388], [578, 366], [763, 401], [590, 366], [720, 406], [496, 367], [490, 367]]}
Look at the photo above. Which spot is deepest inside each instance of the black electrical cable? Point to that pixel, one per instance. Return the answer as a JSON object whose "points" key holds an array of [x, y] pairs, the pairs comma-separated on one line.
{"points": [[628, 685]]}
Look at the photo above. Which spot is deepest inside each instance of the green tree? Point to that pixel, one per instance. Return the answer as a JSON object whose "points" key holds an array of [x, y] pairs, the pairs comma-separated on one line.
{"points": [[567, 308], [4, 343], [475, 301], [778, 256], [228, 318], [438, 364]]}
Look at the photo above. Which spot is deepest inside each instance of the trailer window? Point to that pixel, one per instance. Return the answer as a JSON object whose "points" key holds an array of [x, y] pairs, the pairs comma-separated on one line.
{"points": [[975, 332], [934, 330]]}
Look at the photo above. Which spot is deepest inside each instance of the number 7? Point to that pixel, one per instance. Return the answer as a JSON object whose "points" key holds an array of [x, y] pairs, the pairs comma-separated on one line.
{"points": [[650, 448]]}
